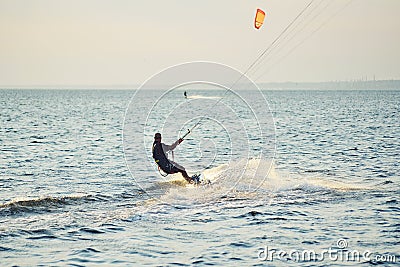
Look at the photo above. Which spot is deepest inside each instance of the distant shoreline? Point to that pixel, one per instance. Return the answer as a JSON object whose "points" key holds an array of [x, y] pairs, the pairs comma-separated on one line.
{"points": [[335, 85]]}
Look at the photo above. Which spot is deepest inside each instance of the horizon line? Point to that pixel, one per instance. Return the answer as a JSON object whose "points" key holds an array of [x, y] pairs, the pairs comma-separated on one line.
{"points": [[137, 86]]}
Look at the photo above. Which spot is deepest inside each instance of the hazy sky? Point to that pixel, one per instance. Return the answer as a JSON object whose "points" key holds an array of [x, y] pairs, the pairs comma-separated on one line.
{"points": [[100, 43]]}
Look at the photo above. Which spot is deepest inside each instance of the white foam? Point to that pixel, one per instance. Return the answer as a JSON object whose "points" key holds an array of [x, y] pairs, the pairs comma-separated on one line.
{"points": [[249, 178], [203, 97]]}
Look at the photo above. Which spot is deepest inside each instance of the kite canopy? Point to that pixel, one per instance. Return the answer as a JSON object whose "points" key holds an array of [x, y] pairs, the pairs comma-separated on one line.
{"points": [[259, 19]]}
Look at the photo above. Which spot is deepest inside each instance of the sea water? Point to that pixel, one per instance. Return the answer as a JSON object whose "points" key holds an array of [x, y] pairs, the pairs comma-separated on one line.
{"points": [[330, 193]]}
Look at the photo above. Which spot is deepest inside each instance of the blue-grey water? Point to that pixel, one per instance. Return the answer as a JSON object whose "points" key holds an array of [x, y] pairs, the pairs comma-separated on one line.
{"points": [[67, 197]]}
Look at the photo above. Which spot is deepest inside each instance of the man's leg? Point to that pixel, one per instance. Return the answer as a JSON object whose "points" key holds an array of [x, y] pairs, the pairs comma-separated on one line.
{"points": [[186, 176], [182, 170]]}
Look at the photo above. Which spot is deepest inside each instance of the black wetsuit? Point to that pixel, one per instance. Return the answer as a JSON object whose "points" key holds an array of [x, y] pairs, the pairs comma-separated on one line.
{"points": [[162, 160]]}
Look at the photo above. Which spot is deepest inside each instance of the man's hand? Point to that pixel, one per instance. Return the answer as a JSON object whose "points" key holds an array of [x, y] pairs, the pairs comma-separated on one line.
{"points": [[180, 140]]}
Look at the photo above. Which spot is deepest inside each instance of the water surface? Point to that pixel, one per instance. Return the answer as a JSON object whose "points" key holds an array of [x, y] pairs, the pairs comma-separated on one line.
{"points": [[67, 197]]}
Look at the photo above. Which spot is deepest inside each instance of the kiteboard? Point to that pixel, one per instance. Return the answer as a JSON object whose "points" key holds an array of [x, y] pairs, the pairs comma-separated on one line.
{"points": [[199, 179]]}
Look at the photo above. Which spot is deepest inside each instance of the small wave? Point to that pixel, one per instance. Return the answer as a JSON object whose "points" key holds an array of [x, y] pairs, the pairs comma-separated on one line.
{"points": [[36, 234], [317, 183], [90, 250], [252, 213], [91, 231], [6, 249], [392, 201], [241, 244], [19, 205], [41, 201], [386, 182], [42, 237]]}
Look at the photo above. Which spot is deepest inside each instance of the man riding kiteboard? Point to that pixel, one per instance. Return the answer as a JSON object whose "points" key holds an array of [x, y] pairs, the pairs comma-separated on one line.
{"points": [[169, 166]]}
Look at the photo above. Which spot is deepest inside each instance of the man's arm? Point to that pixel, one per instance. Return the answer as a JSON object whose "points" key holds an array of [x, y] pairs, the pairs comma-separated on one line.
{"points": [[167, 148]]}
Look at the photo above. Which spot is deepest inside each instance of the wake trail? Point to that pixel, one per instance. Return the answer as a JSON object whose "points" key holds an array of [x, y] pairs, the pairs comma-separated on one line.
{"points": [[253, 179]]}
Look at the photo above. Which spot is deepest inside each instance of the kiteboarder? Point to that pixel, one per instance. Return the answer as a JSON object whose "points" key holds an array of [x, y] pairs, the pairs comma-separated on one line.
{"points": [[185, 94], [169, 166]]}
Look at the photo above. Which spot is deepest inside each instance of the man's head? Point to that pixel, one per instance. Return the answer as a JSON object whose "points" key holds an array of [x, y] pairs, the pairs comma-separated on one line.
{"points": [[157, 137]]}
